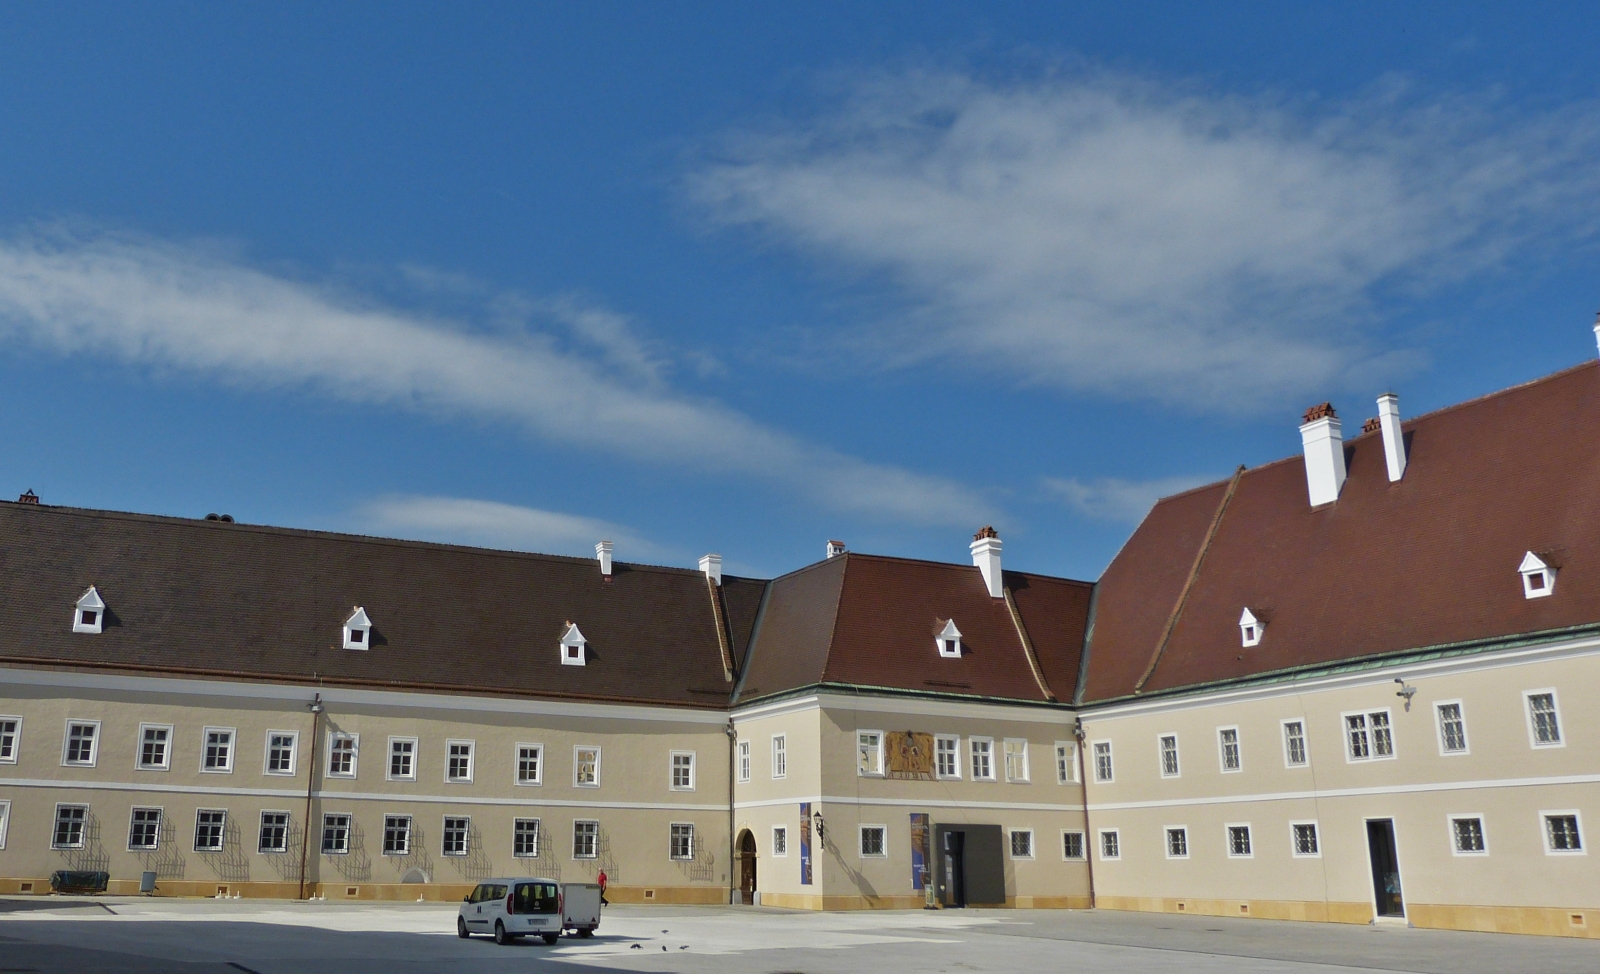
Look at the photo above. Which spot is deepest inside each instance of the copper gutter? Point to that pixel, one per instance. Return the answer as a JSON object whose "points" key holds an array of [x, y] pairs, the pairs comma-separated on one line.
{"points": [[1027, 646]]}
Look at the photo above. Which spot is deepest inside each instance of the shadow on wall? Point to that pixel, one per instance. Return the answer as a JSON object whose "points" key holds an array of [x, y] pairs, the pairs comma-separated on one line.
{"points": [[166, 860], [417, 860], [546, 865], [355, 865], [231, 863], [92, 856], [475, 865], [287, 864], [701, 869], [863, 884]]}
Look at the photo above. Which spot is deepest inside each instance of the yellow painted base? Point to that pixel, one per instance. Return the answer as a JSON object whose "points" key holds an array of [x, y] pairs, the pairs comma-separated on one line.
{"points": [[814, 901], [1540, 921], [1261, 909], [392, 892]]}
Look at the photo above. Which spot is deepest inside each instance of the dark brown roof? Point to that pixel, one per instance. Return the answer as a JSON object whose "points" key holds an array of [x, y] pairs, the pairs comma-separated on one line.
{"points": [[1428, 561], [268, 603], [869, 620]]}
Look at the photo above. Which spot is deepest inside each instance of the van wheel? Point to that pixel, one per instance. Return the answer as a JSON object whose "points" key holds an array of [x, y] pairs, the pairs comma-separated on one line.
{"points": [[550, 938], [500, 936], [586, 932], [461, 929]]}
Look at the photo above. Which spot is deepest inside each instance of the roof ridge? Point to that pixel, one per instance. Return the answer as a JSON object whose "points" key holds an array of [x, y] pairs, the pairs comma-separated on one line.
{"points": [[956, 565]]}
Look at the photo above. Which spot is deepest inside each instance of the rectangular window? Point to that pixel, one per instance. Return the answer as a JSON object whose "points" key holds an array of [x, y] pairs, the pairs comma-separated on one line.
{"points": [[780, 756], [780, 840], [10, 731], [342, 755], [982, 759], [144, 829], [947, 756], [458, 766], [1382, 737], [209, 825], [1561, 833], [1066, 763], [69, 826], [683, 771], [525, 838], [335, 835], [455, 836], [869, 753], [1228, 744], [218, 750], [1239, 841], [1303, 839], [402, 758], [1110, 844], [1466, 834], [1544, 725], [585, 839], [155, 753], [1022, 843], [1177, 842], [586, 767], [5, 821], [744, 760], [1169, 755], [1072, 845], [397, 835], [682, 841], [530, 764], [1452, 728], [1294, 744], [80, 750], [1102, 761], [1368, 736], [872, 842], [280, 751], [274, 832], [1016, 760]]}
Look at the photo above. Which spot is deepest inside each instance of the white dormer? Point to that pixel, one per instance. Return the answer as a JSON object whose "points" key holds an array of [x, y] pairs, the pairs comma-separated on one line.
{"points": [[1250, 628], [573, 651], [949, 640], [90, 613], [357, 629], [1538, 577]]}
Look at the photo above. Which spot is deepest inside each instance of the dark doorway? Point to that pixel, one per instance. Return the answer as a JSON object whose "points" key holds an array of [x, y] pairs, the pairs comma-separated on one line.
{"points": [[1385, 868], [747, 868], [969, 865], [953, 889]]}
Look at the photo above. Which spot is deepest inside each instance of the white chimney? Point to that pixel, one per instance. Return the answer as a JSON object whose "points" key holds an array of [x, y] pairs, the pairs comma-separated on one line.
{"points": [[712, 566], [602, 551], [986, 555], [1323, 439], [1394, 443], [835, 549]]}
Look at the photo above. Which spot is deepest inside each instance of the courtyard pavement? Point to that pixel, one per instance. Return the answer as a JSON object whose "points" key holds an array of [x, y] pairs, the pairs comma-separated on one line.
{"points": [[132, 936]]}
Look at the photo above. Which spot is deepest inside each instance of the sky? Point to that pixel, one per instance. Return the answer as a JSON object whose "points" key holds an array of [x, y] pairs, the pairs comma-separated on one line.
{"points": [[745, 278]]}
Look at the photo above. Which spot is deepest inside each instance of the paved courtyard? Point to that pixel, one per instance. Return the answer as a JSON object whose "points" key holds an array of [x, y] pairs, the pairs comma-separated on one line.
{"points": [[129, 935]]}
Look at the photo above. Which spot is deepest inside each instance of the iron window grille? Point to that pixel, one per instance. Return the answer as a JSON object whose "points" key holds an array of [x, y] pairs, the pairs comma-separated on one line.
{"points": [[209, 826], [274, 832], [397, 835], [525, 838], [585, 839], [335, 835], [455, 836], [682, 841], [144, 829]]}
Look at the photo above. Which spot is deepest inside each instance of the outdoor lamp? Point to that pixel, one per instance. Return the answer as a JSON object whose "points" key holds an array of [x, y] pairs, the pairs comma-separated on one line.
{"points": [[820, 826]]}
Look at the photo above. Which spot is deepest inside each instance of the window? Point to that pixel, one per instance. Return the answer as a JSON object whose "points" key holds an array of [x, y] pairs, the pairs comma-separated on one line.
{"points": [[335, 835], [780, 756], [1102, 761], [402, 758], [1466, 835], [144, 829], [1543, 724], [1228, 745], [217, 756], [949, 640], [1251, 629], [209, 824], [342, 755], [397, 835], [1303, 840], [1368, 736], [1177, 842], [947, 756], [1239, 842], [780, 840], [1538, 577], [1110, 844], [90, 613], [1022, 843], [683, 771], [744, 760], [280, 751], [530, 764], [1294, 744], [573, 647], [1452, 728], [80, 749], [10, 732], [69, 826], [1562, 833], [525, 838], [1016, 760], [455, 835], [872, 843], [154, 752], [1169, 755], [1072, 845], [5, 821], [357, 629], [585, 839], [682, 841], [458, 766], [274, 832], [869, 753], [586, 767], [1066, 763], [982, 759]]}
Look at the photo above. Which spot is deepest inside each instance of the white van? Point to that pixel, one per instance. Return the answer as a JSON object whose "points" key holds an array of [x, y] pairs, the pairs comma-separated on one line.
{"points": [[512, 908]]}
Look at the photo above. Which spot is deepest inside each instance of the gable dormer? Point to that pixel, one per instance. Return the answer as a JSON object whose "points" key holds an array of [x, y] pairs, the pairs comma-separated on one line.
{"points": [[1251, 629], [949, 640], [357, 629], [574, 648], [1538, 576], [89, 615]]}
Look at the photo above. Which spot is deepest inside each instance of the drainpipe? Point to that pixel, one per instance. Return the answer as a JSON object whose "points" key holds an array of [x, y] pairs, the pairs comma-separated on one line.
{"points": [[733, 737], [311, 779], [1088, 831]]}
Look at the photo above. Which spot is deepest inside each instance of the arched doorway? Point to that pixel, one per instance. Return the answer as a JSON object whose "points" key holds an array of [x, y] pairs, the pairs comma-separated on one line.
{"points": [[747, 868]]}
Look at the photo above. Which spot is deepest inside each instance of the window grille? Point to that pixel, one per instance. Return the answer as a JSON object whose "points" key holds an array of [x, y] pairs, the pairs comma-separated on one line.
{"points": [[1294, 743], [585, 840], [274, 832], [1468, 834], [1452, 729], [525, 838], [1072, 845], [335, 835], [1169, 756], [69, 826], [682, 841], [397, 835], [1022, 843], [1546, 726], [1178, 843], [872, 841], [455, 836], [144, 832], [1102, 761], [1305, 839], [209, 824], [1238, 840], [1562, 831], [1230, 748]]}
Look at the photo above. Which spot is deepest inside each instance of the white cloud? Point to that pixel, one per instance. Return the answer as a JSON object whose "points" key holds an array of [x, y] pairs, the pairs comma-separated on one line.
{"points": [[160, 305], [1108, 234], [1113, 499], [491, 524]]}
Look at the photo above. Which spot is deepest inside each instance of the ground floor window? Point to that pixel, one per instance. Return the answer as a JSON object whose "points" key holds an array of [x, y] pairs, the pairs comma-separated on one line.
{"points": [[335, 835], [144, 831], [69, 826], [1022, 843], [682, 841], [455, 836], [209, 824], [1178, 843], [397, 835], [780, 840], [1304, 835], [585, 840], [1561, 832], [1072, 845], [1467, 833], [274, 832], [1239, 841], [525, 838], [872, 842], [1110, 844]]}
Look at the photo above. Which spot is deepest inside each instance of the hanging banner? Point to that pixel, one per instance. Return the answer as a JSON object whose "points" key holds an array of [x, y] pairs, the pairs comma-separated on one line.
{"points": [[920, 836], [910, 756], [805, 843]]}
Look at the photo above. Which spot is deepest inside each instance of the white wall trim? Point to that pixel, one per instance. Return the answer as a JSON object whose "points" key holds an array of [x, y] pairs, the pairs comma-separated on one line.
{"points": [[915, 706], [1571, 779], [910, 803]]}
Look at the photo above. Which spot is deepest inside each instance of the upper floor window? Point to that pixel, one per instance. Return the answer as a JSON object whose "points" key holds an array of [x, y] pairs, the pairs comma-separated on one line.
{"points": [[218, 749], [1294, 743], [574, 648], [949, 639], [1250, 628], [780, 756], [154, 751], [586, 767], [1016, 760], [1228, 744], [869, 753], [1538, 577], [982, 759], [1452, 728], [1543, 723], [357, 629], [10, 736], [82, 744], [682, 770], [458, 765], [1102, 761], [744, 760], [280, 752], [530, 764], [1368, 736], [342, 755], [90, 613], [947, 756], [402, 758], [1066, 763], [1169, 755]]}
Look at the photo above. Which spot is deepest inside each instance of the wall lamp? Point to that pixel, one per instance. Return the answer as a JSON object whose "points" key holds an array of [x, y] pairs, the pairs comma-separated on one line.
{"points": [[1406, 690]]}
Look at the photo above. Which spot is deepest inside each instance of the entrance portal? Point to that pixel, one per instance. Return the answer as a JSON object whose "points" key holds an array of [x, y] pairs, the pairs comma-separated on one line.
{"points": [[747, 868], [1385, 868], [969, 865]]}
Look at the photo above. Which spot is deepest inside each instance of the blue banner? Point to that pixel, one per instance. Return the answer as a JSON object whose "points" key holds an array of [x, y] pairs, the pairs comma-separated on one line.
{"points": [[805, 843], [919, 849]]}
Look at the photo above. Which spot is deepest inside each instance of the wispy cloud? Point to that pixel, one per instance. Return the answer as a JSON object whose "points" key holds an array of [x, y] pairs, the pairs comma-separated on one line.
{"points": [[153, 303], [1116, 235], [491, 524], [1113, 499]]}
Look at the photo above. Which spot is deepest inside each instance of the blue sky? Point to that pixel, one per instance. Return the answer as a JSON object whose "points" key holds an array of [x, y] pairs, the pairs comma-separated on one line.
{"points": [[743, 278]]}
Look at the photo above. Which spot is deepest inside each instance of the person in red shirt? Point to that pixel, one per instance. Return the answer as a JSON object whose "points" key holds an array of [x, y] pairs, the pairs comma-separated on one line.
{"points": [[602, 881]]}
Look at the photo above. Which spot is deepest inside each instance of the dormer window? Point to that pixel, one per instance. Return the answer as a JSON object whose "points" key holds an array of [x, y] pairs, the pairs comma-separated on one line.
{"points": [[357, 629], [949, 640], [90, 613], [574, 648], [1250, 628], [1538, 577]]}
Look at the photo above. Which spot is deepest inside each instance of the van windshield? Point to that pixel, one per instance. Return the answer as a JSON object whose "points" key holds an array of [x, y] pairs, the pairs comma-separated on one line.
{"points": [[535, 898]]}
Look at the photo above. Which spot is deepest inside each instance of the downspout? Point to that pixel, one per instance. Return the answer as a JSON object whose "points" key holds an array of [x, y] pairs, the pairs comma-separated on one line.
{"points": [[732, 822], [311, 779], [1088, 830]]}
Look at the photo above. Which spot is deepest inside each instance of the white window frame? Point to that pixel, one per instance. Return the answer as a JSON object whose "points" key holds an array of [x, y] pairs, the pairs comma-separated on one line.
{"points": [[266, 753], [1005, 755], [166, 752], [16, 739], [83, 833], [1066, 756], [1011, 848], [94, 746], [1438, 728], [780, 850], [861, 840], [516, 764], [576, 748], [574, 647], [538, 838], [411, 828], [586, 821], [672, 771], [1083, 845], [472, 762], [222, 831], [1100, 844], [1544, 832], [972, 759], [358, 621], [1533, 565], [1222, 749], [1111, 762], [1455, 849], [877, 772], [1527, 715], [355, 754], [5, 822], [322, 833], [233, 750], [288, 820], [743, 751], [1250, 836], [466, 836], [1366, 716], [1166, 840], [1305, 742], [161, 818], [97, 605], [955, 741], [672, 827], [1161, 755], [780, 756], [388, 763], [1294, 844]]}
